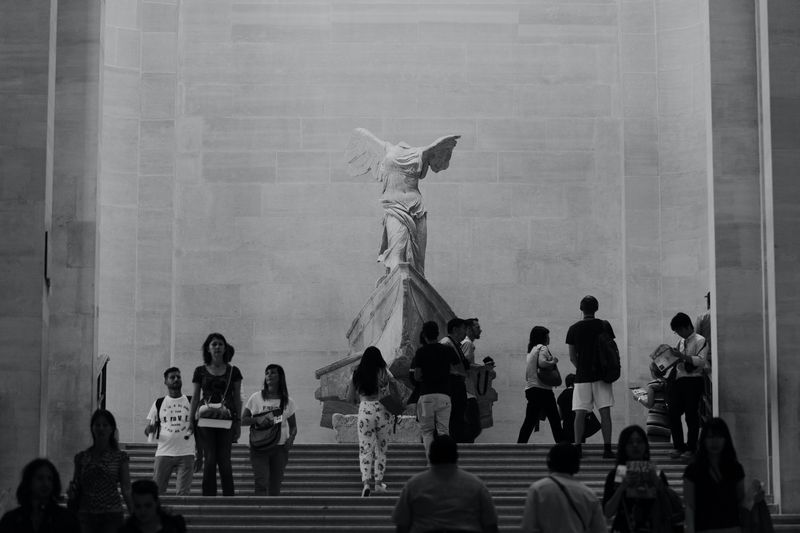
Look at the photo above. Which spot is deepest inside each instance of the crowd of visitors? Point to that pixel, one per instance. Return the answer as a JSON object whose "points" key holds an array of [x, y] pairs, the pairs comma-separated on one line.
{"points": [[197, 433]]}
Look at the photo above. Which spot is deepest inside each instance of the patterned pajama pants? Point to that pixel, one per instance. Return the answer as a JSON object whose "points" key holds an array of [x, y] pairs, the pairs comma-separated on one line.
{"points": [[373, 421]]}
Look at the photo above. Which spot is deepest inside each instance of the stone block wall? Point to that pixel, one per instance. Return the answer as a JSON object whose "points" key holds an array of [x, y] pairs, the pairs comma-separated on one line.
{"points": [[269, 95], [664, 69], [24, 60], [136, 203], [48, 175], [784, 68], [738, 217], [231, 209], [71, 330]]}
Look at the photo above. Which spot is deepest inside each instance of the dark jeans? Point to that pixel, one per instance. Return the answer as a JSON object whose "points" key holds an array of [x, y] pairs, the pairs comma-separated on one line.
{"points": [[684, 399], [472, 417], [217, 444], [458, 409], [100, 522], [268, 468], [538, 400]]}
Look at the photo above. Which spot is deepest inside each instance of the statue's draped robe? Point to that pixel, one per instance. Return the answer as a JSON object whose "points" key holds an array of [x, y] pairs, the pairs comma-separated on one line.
{"points": [[404, 220]]}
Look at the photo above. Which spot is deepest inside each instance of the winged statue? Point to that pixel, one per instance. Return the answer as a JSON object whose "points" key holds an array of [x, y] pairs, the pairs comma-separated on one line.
{"points": [[399, 167]]}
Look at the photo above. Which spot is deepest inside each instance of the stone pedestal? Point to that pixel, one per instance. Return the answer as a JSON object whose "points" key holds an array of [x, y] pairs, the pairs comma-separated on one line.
{"points": [[391, 320], [404, 429]]}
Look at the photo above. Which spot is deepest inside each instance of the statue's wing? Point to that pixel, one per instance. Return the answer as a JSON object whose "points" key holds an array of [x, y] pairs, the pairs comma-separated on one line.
{"points": [[440, 150], [364, 152]]}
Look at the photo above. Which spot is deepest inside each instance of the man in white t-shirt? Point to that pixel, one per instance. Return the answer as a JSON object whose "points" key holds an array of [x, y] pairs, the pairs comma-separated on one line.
{"points": [[169, 424], [473, 414]]}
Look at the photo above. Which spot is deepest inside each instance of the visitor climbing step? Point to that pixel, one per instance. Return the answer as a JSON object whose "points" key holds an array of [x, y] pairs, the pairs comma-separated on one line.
{"points": [[321, 490]]}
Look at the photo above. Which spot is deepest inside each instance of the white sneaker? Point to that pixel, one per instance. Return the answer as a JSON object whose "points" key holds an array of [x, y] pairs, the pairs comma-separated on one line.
{"points": [[380, 488]]}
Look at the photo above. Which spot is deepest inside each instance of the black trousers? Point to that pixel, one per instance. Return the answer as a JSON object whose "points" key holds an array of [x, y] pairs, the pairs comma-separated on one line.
{"points": [[685, 395], [473, 420], [458, 409], [217, 444], [540, 399]]}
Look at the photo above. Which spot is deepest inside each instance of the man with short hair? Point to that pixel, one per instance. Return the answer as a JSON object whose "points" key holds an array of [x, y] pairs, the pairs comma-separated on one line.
{"points": [[686, 392], [456, 331], [559, 503], [472, 414], [431, 365], [590, 390], [169, 424], [445, 497]]}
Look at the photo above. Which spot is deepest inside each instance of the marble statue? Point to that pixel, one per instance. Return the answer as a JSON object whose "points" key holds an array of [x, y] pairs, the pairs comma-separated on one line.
{"points": [[399, 167]]}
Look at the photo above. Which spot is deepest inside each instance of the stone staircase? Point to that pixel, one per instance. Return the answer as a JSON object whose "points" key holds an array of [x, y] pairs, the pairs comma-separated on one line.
{"points": [[322, 487]]}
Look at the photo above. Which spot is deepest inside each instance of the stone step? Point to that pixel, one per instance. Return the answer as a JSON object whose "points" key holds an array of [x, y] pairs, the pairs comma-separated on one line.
{"points": [[322, 487], [488, 448], [332, 514], [324, 470]]}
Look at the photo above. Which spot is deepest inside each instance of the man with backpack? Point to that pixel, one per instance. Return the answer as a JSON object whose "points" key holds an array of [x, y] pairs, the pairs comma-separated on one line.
{"points": [[169, 424], [593, 352]]}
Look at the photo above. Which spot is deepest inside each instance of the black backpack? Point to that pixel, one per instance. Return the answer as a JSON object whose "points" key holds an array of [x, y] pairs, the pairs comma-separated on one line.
{"points": [[609, 366]]}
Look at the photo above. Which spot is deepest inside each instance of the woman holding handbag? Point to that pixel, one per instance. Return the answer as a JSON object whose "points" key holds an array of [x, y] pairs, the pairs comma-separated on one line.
{"points": [[369, 378], [273, 427], [216, 405], [541, 375]]}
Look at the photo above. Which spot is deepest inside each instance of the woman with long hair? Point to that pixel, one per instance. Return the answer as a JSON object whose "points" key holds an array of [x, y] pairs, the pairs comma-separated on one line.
{"points": [[540, 396], [100, 472], [38, 495], [628, 514], [267, 408], [216, 404], [713, 484], [373, 419], [147, 515]]}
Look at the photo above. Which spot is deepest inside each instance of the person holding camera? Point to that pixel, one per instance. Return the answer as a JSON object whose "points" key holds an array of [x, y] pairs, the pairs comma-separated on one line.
{"points": [[170, 425], [686, 391]]}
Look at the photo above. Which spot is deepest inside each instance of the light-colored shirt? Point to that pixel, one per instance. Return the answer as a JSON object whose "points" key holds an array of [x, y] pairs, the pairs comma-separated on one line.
{"points": [[547, 509], [445, 497], [174, 437], [532, 364], [695, 346], [258, 405], [468, 349]]}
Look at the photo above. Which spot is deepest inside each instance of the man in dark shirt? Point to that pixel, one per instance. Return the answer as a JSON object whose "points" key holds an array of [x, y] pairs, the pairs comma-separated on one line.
{"points": [[590, 390], [456, 332], [445, 497], [431, 365]]}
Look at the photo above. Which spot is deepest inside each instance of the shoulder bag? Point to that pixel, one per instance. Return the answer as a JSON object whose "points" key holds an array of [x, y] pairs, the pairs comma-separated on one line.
{"points": [[547, 376], [216, 415], [690, 366], [569, 499], [266, 438], [393, 396]]}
